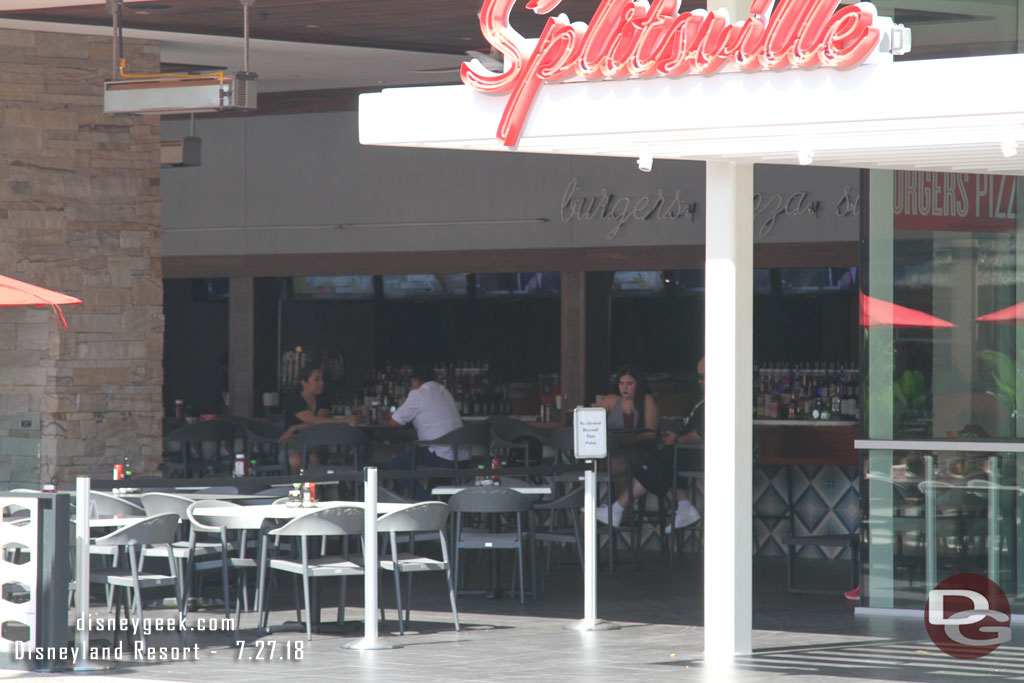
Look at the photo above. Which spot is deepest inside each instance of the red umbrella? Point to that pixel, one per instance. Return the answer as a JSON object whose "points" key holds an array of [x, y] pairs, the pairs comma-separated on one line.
{"points": [[1011, 314], [17, 293], [876, 312]]}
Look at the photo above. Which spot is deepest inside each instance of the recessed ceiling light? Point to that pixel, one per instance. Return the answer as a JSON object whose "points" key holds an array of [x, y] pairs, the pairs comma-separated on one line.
{"points": [[312, 25]]}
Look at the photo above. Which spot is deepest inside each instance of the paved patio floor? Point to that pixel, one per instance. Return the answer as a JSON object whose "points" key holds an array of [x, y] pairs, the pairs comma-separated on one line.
{"points": [[806, 638]]}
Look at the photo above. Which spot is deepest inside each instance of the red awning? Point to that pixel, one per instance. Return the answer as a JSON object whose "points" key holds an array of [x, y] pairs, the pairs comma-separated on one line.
{"points": [[17, 293], [1011, 314], [876, 313]]}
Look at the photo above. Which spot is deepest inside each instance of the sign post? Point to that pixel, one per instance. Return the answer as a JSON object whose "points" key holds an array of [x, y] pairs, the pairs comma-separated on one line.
{"points": [[370, 639], [590, 442], [83, 489]]}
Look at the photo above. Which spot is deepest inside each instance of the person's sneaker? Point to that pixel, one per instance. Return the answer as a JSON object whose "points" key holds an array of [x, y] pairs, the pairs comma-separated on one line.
{"points": [[602, 514], [686, 515], [853, 595]]}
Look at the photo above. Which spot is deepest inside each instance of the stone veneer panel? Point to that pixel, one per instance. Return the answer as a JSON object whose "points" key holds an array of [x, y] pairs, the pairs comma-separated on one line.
{"points": [[79, 213]]}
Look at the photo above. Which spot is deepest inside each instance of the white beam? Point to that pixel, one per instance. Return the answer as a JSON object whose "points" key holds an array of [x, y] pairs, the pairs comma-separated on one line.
{"points": [[893, 110], [728, 344]]}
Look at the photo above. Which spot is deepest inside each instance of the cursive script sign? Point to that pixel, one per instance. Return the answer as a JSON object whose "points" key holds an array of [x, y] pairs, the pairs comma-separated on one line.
{"points": [[631, 38], [621, 209], [769, 209]]}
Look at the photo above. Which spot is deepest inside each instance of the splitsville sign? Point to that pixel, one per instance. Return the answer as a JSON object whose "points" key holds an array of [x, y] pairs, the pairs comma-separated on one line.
{"points": [[631, 38]]}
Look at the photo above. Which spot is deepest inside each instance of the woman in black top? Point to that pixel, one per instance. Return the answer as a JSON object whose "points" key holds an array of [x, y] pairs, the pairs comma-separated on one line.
{"points": [[656, 475], [307, 407]]}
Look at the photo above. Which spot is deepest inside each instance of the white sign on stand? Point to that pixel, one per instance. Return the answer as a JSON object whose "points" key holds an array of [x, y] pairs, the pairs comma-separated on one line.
{"points": [[590, 433], [590, 442]]}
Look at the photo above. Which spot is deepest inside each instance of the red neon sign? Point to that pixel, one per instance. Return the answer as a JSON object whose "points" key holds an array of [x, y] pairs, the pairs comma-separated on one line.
{"points": [[627, 38]]}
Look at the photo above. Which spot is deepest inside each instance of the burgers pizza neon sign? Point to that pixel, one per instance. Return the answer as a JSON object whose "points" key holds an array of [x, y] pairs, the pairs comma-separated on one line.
{"points": [[631, 38]]}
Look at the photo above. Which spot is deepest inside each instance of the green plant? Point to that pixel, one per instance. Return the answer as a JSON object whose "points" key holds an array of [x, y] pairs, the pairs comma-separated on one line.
{"points": [[1005, 375]]}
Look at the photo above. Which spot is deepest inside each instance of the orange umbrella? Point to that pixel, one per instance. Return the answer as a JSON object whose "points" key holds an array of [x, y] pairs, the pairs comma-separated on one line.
{"points": [[1011, 314], [876, 312], [17, 293]]}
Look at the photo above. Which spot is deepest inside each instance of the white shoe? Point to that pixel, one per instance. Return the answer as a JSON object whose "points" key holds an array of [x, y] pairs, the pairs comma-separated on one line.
{"points": [[602, 514], [686, 515]]}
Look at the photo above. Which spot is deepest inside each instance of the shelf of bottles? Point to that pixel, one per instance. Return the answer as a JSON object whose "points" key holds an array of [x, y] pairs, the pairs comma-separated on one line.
{"points": [[811, 391], [470, 383]]}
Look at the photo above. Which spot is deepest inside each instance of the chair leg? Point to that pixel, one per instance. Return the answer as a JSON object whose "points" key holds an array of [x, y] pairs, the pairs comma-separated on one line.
{"points": [[295, 596], [138, 593], [224, 574], [305, 589], [448, 578], [306, 604], [519, 553], [341, 601], [261, 600]]}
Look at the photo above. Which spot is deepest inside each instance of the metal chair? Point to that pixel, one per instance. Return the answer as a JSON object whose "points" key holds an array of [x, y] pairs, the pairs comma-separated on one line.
{"points": [[466, 438], [191, 439], [492, 501], [218, 554], [135, 538], [513, 440], [568, 506], [158, 503], [263, 443], [687, 462], [355, 440], [335, 521], [416, 521], [108, 505]]}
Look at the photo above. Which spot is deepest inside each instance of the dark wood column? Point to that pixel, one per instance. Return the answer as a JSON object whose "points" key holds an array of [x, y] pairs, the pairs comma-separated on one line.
{"points": [[585, 335], [598, 332], [574, 338], [240, 346]]}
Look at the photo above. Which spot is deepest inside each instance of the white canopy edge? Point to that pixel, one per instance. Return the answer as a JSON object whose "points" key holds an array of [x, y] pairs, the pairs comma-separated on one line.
{"points": [[940, 115]]}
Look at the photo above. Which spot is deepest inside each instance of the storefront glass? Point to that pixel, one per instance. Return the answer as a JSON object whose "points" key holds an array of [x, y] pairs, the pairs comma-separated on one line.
{"points": [[943, 348]]}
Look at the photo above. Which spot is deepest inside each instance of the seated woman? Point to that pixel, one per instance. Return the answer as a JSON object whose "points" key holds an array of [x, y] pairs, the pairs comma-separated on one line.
{"points": [[656, 475], [304, 408], [631, 408]]}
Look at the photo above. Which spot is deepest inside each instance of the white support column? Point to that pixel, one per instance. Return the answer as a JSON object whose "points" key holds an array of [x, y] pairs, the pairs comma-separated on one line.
{"points": [[728, 479]]}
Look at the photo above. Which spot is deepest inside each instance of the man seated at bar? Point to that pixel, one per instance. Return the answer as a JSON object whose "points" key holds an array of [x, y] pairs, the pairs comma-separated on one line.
{"points": [[306, 407], [432, 411], [656, 473]]}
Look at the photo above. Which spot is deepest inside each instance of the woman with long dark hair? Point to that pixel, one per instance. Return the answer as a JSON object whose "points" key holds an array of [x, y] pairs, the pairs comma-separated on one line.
{"points": [[631, 408], [306, 407]]}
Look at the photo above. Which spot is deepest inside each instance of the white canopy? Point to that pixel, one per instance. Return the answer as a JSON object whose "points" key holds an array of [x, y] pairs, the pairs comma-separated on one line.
{"points": [[961, 115]]}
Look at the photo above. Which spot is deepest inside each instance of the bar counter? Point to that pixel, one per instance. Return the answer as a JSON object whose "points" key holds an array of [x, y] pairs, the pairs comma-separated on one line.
{"points": [[806, 442]]}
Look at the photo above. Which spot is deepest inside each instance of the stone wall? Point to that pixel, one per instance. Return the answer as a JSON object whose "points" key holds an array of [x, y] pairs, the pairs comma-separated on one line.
{"points": [[79, 213]]}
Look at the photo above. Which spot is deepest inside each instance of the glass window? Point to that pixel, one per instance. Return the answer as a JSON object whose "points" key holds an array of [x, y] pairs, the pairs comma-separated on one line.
{"points": [[333, 287], [498, 284], [638, 282], [415, 286], [942, 313]]}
